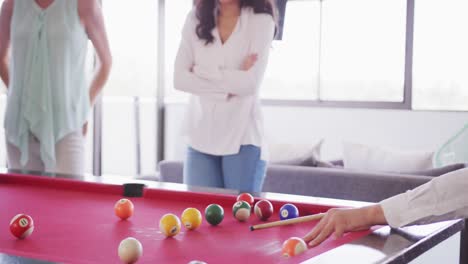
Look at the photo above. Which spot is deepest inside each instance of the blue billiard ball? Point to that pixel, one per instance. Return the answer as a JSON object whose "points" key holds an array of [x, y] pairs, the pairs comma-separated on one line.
{"points": [[288, 211]]}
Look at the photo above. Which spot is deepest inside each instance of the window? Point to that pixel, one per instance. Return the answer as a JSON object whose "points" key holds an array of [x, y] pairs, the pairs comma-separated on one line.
{"points": [[2, 85], [175, 15], [132, 33], [129, 104], [363, 50], [292, 71], [339, 51], [440, 60]]}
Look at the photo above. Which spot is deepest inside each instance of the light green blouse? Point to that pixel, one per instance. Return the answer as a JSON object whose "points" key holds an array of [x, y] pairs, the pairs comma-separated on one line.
{"points": [[48, 92]]}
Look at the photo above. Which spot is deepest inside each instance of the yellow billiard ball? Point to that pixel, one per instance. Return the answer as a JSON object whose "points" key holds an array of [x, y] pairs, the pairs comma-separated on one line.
{"points": [[191, 218], [169, 225]]}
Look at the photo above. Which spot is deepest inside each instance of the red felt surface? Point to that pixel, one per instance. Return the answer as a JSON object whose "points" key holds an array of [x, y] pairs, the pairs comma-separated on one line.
{"points": [[75, 223]]}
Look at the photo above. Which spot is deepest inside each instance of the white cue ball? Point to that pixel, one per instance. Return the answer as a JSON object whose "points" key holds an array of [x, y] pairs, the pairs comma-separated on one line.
{"points": [[130, 250]]}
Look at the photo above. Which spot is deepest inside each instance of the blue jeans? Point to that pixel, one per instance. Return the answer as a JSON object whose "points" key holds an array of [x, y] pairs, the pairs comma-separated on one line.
{"points": [[244, 171]]}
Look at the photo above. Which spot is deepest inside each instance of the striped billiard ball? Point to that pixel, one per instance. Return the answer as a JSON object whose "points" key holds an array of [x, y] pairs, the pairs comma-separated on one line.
{"points": [[293, 246], [263, 209], [21, 226], [241, 210]]}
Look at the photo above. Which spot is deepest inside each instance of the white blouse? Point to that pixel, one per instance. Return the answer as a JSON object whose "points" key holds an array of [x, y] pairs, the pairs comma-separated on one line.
{"points": [[216, 123], [443, 198]]}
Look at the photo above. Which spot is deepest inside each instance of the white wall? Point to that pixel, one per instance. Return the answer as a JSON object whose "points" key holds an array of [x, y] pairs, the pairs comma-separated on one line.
{"points": [[401, 129]]}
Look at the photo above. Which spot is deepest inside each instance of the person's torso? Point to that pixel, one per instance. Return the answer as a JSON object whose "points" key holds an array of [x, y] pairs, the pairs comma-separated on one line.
{"points": [[222, 126], [47, 93]]}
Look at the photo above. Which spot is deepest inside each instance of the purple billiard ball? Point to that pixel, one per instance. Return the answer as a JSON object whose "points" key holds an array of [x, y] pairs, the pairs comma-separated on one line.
{"points": [[288, 211]]}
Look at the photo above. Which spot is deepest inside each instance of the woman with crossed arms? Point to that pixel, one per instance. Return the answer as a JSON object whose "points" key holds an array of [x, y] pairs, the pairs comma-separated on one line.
{"points": [[221, 62]]}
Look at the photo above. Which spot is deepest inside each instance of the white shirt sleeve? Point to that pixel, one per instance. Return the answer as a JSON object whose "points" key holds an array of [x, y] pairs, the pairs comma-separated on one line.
{"points": [[184, 78], [443, 198], [240, 82]]}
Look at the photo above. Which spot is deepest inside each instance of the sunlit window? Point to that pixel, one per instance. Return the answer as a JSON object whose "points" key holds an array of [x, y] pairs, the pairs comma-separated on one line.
{"points": [[292, 72], [440, 66], [175, 14], [132, 32], [363, 50]]}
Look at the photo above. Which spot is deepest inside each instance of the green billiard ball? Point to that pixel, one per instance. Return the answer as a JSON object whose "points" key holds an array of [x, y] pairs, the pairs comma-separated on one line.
{"points": [[241, 210], [214, 214]]}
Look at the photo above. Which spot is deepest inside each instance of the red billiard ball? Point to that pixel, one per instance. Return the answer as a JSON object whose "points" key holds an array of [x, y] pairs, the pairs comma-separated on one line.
{"points": [[246, 197], [263, 209], [123, 208], [21, 226]]}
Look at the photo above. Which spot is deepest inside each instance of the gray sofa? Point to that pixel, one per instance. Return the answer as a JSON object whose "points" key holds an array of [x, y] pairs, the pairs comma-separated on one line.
{"points": [[335, 182]]}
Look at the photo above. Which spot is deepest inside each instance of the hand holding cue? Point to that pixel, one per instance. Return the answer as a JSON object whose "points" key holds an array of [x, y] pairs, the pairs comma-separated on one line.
{"points": [[296, 220]]}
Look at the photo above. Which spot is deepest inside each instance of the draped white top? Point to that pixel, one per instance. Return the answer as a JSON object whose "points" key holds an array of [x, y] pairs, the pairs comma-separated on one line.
{"points": [[216, 123], [47, 94]]}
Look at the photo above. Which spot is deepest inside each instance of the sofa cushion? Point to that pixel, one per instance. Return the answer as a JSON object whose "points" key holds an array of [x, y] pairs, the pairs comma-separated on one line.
{"points": [[369, 158], [297, 154]]}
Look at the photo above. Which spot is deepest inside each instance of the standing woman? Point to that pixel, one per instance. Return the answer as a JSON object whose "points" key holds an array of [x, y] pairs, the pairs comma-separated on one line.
{"points": [[221, 62], [49, 97]]}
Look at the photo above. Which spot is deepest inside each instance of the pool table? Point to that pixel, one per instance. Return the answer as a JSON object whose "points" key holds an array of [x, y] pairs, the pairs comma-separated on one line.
{"points": [[75, 223]]}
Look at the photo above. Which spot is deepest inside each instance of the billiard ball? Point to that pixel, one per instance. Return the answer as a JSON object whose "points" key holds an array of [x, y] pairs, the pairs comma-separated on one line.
{"points": [[191, 218], [214, 214], [288, 211], [241, 210], [293, 246], [21, 225], [169, 225], [123, 208], [197, 262], [247, 197], [263, 209], [130, 250]]}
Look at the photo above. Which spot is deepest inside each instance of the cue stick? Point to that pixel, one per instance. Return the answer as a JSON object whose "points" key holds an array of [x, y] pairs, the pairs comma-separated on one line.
{"points": [[291, 221]]}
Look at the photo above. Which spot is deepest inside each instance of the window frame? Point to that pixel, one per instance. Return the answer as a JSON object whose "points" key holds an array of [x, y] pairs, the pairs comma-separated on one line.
{"points": [[406, 104]]}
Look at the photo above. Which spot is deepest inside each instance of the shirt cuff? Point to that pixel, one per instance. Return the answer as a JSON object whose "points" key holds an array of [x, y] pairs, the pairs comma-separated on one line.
{"points": [[394, 208]]}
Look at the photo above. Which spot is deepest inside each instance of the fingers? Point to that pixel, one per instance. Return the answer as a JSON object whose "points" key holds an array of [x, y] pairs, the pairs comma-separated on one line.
{"points": [[339, 231], [324, 234], [316, 230]]}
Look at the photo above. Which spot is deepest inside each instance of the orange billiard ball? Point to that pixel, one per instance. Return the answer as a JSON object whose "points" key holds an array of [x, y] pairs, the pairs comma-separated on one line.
{"points": [[293, 246], [21, 226], [123, 208]]}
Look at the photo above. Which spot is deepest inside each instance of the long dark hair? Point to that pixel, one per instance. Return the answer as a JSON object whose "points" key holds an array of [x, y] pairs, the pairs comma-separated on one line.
{"points": [[206, 17]]}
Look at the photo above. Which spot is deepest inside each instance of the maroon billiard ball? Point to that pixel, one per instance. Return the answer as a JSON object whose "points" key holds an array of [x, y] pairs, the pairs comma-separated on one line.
{"points": [[21, 226], [263, 209]]}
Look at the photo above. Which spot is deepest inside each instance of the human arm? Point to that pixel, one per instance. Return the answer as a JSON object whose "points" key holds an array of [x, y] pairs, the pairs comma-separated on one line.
{"points": [[443, 198], [91, 15], [184, 78], [6, 14], [246, 80]]}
